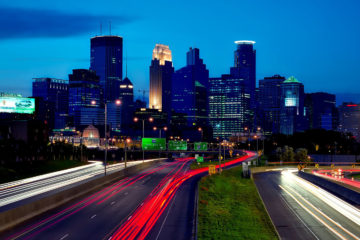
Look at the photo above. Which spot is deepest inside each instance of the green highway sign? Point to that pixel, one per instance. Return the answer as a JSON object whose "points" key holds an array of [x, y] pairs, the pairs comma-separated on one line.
{"points": [[200, 159], [200, 146], [177, 145], [153, 144]]}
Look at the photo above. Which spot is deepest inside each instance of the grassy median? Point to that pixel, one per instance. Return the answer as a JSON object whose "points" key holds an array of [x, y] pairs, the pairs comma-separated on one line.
{"points": [[230, 208]]}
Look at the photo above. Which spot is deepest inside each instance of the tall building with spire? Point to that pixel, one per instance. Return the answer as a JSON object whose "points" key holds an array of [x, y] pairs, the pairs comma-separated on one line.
{"points": [[106, 59], [161, 71]]}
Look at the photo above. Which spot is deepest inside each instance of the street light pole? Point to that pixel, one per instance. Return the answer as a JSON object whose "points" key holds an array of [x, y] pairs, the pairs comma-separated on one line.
{"points": [[143, 134], [219, 157]]}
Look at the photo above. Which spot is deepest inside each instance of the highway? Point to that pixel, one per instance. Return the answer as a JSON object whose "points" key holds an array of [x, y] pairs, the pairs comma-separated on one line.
{"points": [[19, 192], [132, 208], [301, 210]]}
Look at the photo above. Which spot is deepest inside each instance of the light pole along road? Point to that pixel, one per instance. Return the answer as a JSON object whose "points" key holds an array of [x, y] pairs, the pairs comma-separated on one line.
{"points": [[136, 119], [118, 103]]}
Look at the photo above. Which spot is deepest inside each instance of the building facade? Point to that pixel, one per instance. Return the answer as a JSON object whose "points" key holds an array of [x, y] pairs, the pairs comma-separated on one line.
{"points": [[85, 107], [349, 119], [229, 104], [53, 100], [321, 109], [161, 71], [269, 104], [190, 90], [106, 59], [127, 104], [292, 114]]}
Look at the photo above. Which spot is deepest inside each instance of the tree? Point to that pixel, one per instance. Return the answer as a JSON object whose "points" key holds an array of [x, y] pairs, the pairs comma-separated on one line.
{"points": [[301, 155]]}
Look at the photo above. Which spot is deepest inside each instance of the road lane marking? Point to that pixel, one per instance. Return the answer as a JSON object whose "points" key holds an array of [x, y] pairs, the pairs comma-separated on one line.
{"points": [[93, 216], [323, 214], [129, 217], [312, 214], [65, 236], [112, 203]]}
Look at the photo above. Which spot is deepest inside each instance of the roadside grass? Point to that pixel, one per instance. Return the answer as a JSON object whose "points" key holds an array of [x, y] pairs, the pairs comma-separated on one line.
{"points": [[230, 208], [356, 176], [26, 170], [207, 162]]}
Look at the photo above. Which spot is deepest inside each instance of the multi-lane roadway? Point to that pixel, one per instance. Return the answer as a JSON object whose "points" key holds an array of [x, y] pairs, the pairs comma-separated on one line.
{"points": [[19, 192], [301, 210], [153, 204]]}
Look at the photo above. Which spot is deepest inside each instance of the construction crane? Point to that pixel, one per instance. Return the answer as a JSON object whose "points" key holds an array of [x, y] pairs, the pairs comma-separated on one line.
{"points": [[143, 93]]}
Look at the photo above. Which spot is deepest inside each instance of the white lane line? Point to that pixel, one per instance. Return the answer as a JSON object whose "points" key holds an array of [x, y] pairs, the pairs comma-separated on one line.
{"points": [[112, 203], [141, 204], [126, 193], [129, 217], [314, 215], [65, 236], [93, 216], [294, 212]]}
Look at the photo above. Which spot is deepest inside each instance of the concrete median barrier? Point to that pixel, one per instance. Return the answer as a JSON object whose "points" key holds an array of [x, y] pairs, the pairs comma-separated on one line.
{"points": [[15, 216]]}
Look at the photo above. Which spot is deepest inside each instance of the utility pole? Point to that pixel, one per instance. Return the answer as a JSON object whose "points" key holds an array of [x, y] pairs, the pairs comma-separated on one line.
{"points": [[106, 147], [219, 157]]}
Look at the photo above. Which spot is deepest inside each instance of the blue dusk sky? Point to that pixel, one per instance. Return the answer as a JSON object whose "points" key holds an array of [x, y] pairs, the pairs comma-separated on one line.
{"points": [[317, 41]]}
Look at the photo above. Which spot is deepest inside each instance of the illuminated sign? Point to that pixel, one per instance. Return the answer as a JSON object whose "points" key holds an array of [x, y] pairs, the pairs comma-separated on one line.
{"points": [[177, 145], [201, 146], [153, 143], [17, 105]]}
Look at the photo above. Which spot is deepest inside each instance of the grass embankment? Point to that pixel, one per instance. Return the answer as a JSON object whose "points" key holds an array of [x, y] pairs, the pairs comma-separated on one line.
{"points": [[195, 165], [230, 208], [27, 170], [356, 176]]}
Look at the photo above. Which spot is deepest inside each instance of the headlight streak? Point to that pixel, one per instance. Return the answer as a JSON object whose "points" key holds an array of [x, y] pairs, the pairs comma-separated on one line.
{"points": [[287, 189], [312, 214], [23, 189], [82, 204], [336, 203]]}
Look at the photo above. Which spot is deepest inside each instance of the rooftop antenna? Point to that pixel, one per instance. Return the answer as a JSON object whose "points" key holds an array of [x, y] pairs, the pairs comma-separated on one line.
{"points": [[126, 65], [100, 28], [110, 27]]}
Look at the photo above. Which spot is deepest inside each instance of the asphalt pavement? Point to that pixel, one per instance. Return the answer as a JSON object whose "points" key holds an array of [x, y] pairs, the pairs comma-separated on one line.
{"points": [[300, 210], [99, 215], [17, 193]]}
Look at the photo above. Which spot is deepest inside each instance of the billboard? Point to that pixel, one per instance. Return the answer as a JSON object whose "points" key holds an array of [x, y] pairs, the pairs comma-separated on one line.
{"points": [[17, 105], [177, 145], [200, 146], [153, 144]]}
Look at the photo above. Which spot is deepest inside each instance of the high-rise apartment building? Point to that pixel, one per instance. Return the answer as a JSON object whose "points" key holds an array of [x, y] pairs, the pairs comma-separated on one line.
{"points": [[53, 100], [106, 59], [161, 71], [190, 90], [85, 105], [269, 104], [292, 114]]}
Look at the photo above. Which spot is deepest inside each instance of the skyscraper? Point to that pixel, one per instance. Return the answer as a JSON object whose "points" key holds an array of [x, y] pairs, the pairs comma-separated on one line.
{"points": [[322, 112], [228, 106], [127, 103], [190, 90], [269, 103], [245, 66], [106, 59], [292, 114], [349, 119], [161, 71], [53, 100], [85, 107]]}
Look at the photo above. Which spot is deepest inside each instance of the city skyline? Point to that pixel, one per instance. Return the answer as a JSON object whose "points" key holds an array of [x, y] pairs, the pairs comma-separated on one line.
{"points": [[310, 37]]}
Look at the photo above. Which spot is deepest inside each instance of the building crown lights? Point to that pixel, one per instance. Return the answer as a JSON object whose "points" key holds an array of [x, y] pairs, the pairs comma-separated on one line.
{"points": [[245, 42]]}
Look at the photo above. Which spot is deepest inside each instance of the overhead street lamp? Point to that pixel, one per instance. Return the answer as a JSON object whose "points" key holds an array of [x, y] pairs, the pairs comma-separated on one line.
{"points": [[117, 102], [202, 132], [143, 131]]}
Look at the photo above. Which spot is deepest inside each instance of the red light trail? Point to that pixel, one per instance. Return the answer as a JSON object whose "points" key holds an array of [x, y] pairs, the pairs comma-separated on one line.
{"points": [[325, 174]]}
